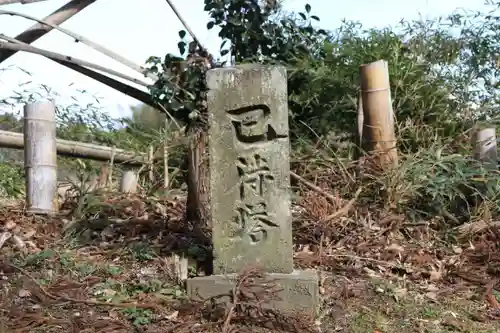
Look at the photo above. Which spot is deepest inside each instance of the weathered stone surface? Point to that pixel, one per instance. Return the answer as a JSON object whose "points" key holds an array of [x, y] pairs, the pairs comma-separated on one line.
{"points": [[249, 169], [250, 187], [299, 290]]}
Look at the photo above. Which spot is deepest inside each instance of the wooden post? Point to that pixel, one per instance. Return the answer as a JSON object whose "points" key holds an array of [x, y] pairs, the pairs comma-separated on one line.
{"points": [[485, 146], [129, 182], [40, 157], [379, 138]]}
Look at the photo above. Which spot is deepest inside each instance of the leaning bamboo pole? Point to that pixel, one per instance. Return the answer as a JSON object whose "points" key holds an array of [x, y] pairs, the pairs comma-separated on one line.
{"points": [[38, 30], [24, 2]]}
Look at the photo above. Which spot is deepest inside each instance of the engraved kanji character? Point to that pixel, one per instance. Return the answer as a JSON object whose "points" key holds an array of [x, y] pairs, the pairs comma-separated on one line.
{"points": [[254, 172], [251, 124], [254, 221]]}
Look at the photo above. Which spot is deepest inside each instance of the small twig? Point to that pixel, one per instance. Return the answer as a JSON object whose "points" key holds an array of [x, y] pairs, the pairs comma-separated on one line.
{"points": [[488, 294], [81, 301], [29, 276], [349, 256], [344, 210], [18, 46], [229, 313], [170, 116], [313, 187]]}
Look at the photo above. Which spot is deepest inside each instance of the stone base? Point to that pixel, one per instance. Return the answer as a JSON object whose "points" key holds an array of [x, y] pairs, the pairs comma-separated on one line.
{"points": [[299, 289]]}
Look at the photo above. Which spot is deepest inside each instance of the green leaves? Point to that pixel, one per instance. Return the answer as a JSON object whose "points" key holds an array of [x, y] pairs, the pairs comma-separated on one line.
{"points": [[182, 47]]}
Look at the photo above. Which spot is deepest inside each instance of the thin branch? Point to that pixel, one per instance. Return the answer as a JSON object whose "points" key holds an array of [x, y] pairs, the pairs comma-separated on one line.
{"points": [[88, 42], [57, 17], [53, 55], [169, 115], [313, 187], [23, 2]]}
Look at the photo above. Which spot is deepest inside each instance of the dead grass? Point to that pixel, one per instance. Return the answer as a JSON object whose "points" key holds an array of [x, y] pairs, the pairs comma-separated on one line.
{"points": [[110, 272]]}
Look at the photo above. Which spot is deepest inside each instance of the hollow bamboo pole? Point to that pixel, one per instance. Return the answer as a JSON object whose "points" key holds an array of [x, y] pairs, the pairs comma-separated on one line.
{"points": [[78, 149], [378, 139], [485, 146], [40, 157], [128, 182], [38, 30]]}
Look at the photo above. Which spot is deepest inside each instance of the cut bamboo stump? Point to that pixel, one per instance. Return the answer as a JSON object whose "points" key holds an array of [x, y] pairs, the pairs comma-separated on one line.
{"points": [[40, 157], [128, 182], [485, 147], [378, 137]]}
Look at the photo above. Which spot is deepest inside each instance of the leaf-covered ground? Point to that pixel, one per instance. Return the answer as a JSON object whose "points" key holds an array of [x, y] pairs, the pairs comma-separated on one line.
{"points": [[113, 272]]}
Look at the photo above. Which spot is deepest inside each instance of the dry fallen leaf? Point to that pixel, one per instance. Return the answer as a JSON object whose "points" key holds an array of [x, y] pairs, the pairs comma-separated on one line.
{"points": [[435, 275], [431, 295], [172, 316], [9, 225], [399, 293], [4, 237], [395, 248], [24, 293], [29, 233]]}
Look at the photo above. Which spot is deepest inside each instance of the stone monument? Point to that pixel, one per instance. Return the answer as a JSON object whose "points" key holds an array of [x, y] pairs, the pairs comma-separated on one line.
{"points": [[250, 185]]}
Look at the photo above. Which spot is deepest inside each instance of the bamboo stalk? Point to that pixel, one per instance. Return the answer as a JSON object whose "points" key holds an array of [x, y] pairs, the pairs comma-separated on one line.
{"points": [[23, 2], [71, 59], [77, 149], [379, 139], [106, 80], [40, 159], [485, 146]]}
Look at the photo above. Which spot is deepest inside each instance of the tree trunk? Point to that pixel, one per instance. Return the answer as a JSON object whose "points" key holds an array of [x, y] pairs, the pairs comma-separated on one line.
{"points": [[197, 207]]}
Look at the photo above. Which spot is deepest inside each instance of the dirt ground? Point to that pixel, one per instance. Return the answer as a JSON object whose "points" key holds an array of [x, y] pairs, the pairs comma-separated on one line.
{"points": [[378, 275]]}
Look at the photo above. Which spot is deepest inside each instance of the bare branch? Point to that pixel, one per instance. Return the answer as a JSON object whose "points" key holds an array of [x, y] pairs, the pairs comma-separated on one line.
{"points": [[23, 2], [38, 30], [53, 55], [88, 42]]}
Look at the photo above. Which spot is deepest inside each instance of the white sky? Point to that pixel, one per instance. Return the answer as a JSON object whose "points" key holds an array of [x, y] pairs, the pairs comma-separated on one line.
{"points": [[138, 29]]}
